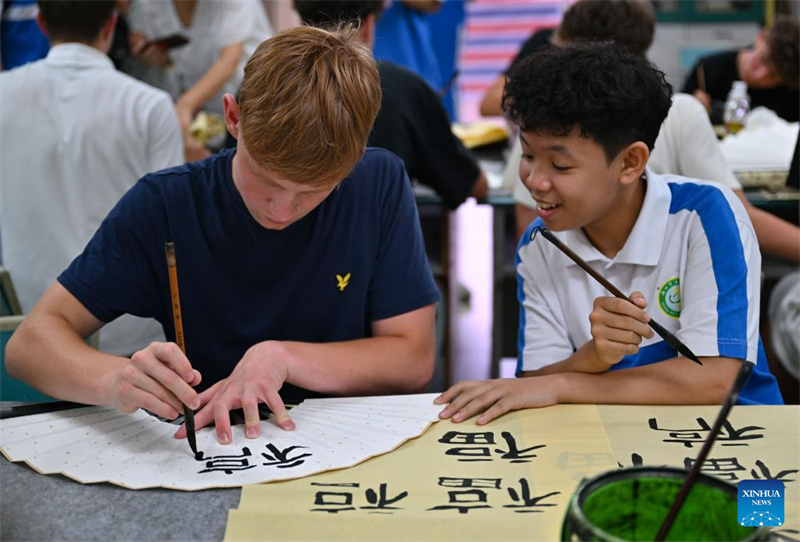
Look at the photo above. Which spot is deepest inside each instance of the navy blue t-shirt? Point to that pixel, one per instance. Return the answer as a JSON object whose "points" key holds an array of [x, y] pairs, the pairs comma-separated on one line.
{"points": [[241, 284]]}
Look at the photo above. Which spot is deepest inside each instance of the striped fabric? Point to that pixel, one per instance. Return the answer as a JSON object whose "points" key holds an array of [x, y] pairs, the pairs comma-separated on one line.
{"points": [[492, 35]]}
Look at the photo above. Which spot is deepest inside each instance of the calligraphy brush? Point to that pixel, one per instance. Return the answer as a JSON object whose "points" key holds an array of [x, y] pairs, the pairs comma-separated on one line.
{"points": [[733, 395], [172, 266], [668, 337]]}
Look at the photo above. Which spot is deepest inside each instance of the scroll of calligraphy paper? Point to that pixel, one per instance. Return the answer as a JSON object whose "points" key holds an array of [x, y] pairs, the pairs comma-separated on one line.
{"points": [[508, 480], [99, 444], [756, 443]]}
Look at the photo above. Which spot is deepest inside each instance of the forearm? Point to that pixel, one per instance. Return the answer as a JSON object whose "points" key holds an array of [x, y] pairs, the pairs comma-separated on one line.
{"points": [[776, 236], [492, 102], [676, 381], [213, 80], [584, 360], [481, 187], [46, 353], [363, 367]]}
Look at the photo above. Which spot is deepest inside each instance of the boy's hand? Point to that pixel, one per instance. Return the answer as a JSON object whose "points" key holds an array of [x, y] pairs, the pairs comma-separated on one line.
{"points": [[618, 327], [159, 379], [496, 397], [256, 379]]}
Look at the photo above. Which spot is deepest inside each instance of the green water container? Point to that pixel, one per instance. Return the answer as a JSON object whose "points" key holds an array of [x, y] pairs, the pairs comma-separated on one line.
{"points": [[630, 504]]}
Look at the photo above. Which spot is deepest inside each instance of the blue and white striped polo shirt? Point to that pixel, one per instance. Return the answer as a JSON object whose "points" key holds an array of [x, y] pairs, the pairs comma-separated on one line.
{"points": [[694, 255]]}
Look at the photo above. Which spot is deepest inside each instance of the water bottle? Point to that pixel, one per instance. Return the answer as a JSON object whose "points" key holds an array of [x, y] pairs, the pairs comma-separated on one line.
{"points": [[736, 107]]}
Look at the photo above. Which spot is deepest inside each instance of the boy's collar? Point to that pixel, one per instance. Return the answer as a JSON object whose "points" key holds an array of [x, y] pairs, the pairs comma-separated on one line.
{"points": [[643, 246]]}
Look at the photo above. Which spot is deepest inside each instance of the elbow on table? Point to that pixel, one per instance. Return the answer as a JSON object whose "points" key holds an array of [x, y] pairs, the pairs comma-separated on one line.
{"points": [[423, 363], [716, 389], [14, 352]]}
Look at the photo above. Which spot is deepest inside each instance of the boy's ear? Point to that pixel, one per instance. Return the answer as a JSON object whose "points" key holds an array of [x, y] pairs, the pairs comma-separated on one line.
{"points": [[232, 118], [634, 159]]}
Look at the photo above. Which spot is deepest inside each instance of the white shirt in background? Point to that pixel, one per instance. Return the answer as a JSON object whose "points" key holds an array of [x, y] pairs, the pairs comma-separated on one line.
{"points": [[75, 135], [216, 24]]}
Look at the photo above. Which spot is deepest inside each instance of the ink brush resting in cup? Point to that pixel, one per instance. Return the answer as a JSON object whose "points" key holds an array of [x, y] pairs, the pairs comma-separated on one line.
{"points": [[668, 337], [733, 395], [172, 266]]}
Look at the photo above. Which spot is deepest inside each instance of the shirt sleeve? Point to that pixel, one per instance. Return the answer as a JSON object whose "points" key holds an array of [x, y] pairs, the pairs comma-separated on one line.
{"points": [[720, 290], [543, 338], [164, 140], [402, 281], [116, 273], [511, 177], [441, 160], [696, 147], [236, 21]]}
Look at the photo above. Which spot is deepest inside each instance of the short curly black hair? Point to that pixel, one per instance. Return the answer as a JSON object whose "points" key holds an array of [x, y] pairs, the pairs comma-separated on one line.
{"points": [[609, 94], [783, 39]]}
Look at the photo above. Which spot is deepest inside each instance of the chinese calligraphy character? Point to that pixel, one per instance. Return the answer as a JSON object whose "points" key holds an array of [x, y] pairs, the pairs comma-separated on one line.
{"points": [[470, 497], [728, 435], [726, 467], [527, 502], [226, 463], [767, 475], [334, 502], [477, 447], [280, 458]]}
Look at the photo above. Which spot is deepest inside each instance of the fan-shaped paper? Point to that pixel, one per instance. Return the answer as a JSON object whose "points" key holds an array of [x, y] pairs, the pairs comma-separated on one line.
{"points": [[137, 451]]}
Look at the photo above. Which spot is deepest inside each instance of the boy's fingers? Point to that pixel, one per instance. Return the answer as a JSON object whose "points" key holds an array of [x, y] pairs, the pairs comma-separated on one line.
{"points": [[454, 391], [153, 404], [481, 403], [252, 422], [466, 404], [626, 308], [639, 299], [496, 410], [222, 421], [275, 404], [171, 354]]}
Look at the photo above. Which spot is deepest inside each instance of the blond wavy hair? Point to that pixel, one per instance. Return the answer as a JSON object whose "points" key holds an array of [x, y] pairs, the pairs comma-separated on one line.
{"points": [[308, 102]]}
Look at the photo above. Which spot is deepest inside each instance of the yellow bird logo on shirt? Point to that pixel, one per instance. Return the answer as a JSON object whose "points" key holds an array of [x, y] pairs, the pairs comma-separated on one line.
{"points": [[342, 281]]}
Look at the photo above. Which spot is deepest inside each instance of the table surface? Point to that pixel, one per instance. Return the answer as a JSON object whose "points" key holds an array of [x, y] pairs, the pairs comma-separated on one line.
{"points": [[32, 507]]}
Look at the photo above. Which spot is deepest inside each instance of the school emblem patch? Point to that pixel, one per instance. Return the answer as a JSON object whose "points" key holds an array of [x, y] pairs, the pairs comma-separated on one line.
{"points": [[669, 297]]}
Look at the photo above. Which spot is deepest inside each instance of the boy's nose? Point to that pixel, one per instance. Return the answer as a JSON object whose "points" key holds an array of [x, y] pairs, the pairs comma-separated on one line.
{"points": [[537, 182], [282, 209]]}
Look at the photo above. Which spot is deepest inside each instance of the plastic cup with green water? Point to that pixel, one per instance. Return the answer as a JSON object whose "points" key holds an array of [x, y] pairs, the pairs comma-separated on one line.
{"points": [[631, 504]]}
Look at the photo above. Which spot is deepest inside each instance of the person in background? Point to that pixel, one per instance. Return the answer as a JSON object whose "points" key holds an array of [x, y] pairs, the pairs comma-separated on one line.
{"points": [[21, 40], [403, 37], [770, 68], [412, 122], [491, 103], [221, 37], [686, 144], [76, 135]]}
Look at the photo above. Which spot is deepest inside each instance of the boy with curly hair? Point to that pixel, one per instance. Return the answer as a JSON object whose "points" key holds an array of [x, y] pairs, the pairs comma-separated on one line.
{"points": [[588, 116]]}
